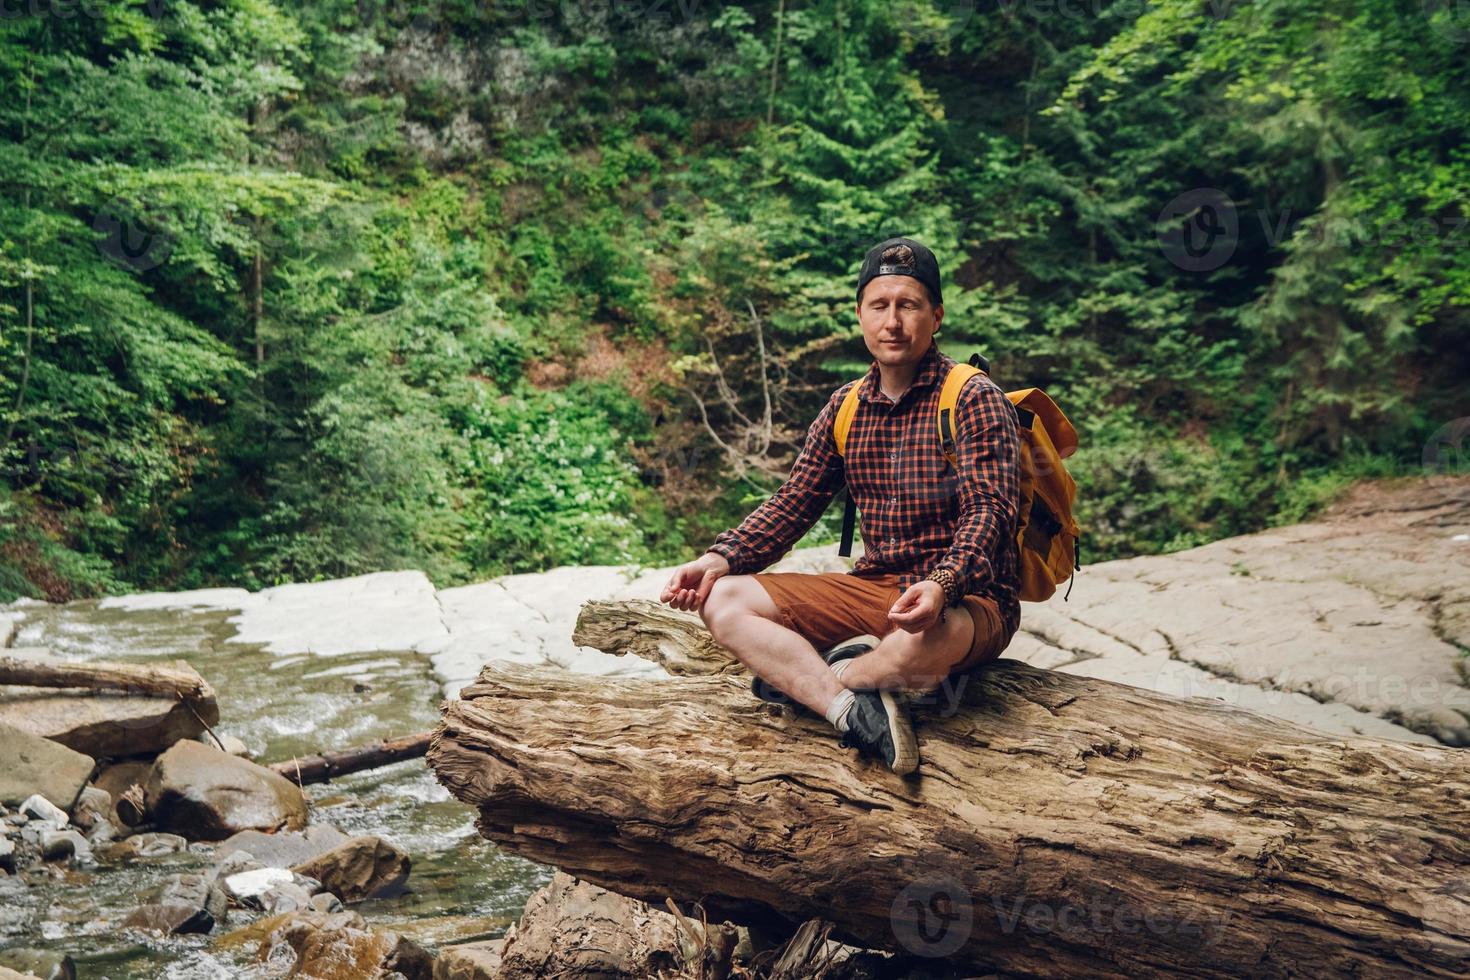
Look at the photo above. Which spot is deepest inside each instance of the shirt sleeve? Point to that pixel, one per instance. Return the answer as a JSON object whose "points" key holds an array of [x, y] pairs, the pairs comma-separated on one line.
{"points": [[987, 454], [780, 522]]}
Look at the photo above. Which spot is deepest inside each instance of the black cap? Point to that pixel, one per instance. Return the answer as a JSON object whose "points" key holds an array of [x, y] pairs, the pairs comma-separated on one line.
{"points": [[918, 262]]}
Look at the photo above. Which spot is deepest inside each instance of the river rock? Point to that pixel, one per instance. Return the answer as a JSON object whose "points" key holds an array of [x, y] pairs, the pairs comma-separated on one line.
{"points": [[37, 807], [469, 961], [359, 868], [6, 973], [147, 845], [244, 886], [325, 902], [7, 855], [92, 805], [206, 794], [38, 766], [186, 903], [284, 849], [573, 928], [47, 964], [341, 944], [115, 778], [59, 844]]}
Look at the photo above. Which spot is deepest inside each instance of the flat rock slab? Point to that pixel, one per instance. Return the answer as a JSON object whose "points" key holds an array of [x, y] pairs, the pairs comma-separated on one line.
{"points": [[1365, 610], [38, 765], [381, 611]]}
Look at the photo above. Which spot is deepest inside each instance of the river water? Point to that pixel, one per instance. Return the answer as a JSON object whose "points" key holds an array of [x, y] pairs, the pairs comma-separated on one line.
{"points": [[461, 888]]}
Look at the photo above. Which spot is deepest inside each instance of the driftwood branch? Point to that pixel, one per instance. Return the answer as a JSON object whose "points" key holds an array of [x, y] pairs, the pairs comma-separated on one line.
{"points": [[328, 765], [1059, 826], [177, 680]]}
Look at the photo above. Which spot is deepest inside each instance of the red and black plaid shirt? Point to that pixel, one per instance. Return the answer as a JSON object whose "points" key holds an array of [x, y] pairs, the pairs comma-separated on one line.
{"points": [[917, 514]]}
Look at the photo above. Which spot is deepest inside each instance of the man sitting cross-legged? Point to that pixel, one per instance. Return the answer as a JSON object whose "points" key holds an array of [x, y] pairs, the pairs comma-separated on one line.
{"points": [[937, 581]]}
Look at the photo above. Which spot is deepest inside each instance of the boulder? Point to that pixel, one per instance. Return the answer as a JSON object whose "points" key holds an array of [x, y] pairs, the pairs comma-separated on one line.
{"points": [[103, 723], [285, 849], [576, 929], [36, 765], [6, 973], [206, 794], [230, 743], [469, 961], [341, 944], [359, 868]]}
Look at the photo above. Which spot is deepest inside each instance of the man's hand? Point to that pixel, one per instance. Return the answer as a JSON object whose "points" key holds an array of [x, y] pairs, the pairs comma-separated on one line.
{"points": [[691, 582], [919, 607]]}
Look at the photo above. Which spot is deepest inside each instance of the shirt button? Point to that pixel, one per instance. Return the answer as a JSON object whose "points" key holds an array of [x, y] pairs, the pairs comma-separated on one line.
{"points": [[893, 455]]}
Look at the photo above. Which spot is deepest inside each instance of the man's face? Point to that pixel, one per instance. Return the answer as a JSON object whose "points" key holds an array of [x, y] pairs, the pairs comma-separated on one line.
{"points": [[898, 320]]}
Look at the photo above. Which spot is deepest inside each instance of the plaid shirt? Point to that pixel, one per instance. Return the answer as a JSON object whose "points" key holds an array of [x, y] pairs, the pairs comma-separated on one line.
{"points": [[918, 515]]}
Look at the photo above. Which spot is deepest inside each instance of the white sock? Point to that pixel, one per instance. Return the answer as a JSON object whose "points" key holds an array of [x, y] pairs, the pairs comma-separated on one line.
{"points": [[840, 667], [838, 709]]}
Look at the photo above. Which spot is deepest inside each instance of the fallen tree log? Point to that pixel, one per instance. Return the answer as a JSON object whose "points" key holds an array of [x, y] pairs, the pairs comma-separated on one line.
{"points": [[1059, 826], [319, 768], [176, 680]]}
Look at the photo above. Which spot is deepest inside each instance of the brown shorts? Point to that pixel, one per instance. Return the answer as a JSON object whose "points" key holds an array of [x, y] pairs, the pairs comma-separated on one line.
{"points": [[830, 607]]}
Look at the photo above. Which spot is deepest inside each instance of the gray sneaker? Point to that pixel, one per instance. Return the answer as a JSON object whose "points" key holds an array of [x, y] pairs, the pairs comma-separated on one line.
{"points": [[878, 724]]}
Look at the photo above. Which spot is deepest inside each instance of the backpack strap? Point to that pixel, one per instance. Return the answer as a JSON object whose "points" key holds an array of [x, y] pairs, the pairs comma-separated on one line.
{"points": [[840, 427], [949, 398], [845, 412]]}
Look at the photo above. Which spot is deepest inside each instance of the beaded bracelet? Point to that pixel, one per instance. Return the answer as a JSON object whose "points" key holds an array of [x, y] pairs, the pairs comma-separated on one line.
{"points": [[947, 581]]}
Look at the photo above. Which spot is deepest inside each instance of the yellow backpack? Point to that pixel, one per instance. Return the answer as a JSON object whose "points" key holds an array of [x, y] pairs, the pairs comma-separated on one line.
{"points": [[1047, 535]]}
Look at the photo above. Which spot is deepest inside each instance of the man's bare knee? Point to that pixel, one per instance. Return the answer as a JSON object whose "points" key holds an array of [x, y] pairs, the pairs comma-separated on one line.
{"points": [[732, 598]]}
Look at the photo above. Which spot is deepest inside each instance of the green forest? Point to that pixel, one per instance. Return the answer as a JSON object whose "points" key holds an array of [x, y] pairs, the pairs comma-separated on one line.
{"points": [[299, 291]]}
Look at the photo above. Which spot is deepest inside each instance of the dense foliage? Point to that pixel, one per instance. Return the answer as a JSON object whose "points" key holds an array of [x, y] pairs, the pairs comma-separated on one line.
{"points": [[299, 291]]}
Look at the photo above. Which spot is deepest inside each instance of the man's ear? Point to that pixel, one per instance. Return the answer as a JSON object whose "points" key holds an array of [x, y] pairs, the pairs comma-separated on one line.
{"points": [[938, 317]]}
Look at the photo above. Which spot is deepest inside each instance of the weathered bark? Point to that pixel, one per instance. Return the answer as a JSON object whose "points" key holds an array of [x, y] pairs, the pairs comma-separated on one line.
{"points": [[177, 680], [1058, 825], [328, 765]]}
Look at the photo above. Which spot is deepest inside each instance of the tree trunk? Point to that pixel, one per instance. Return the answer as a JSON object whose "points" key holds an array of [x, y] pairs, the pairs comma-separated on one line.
{"points": [[177, 680], [327, 765], [1058, 826]]}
